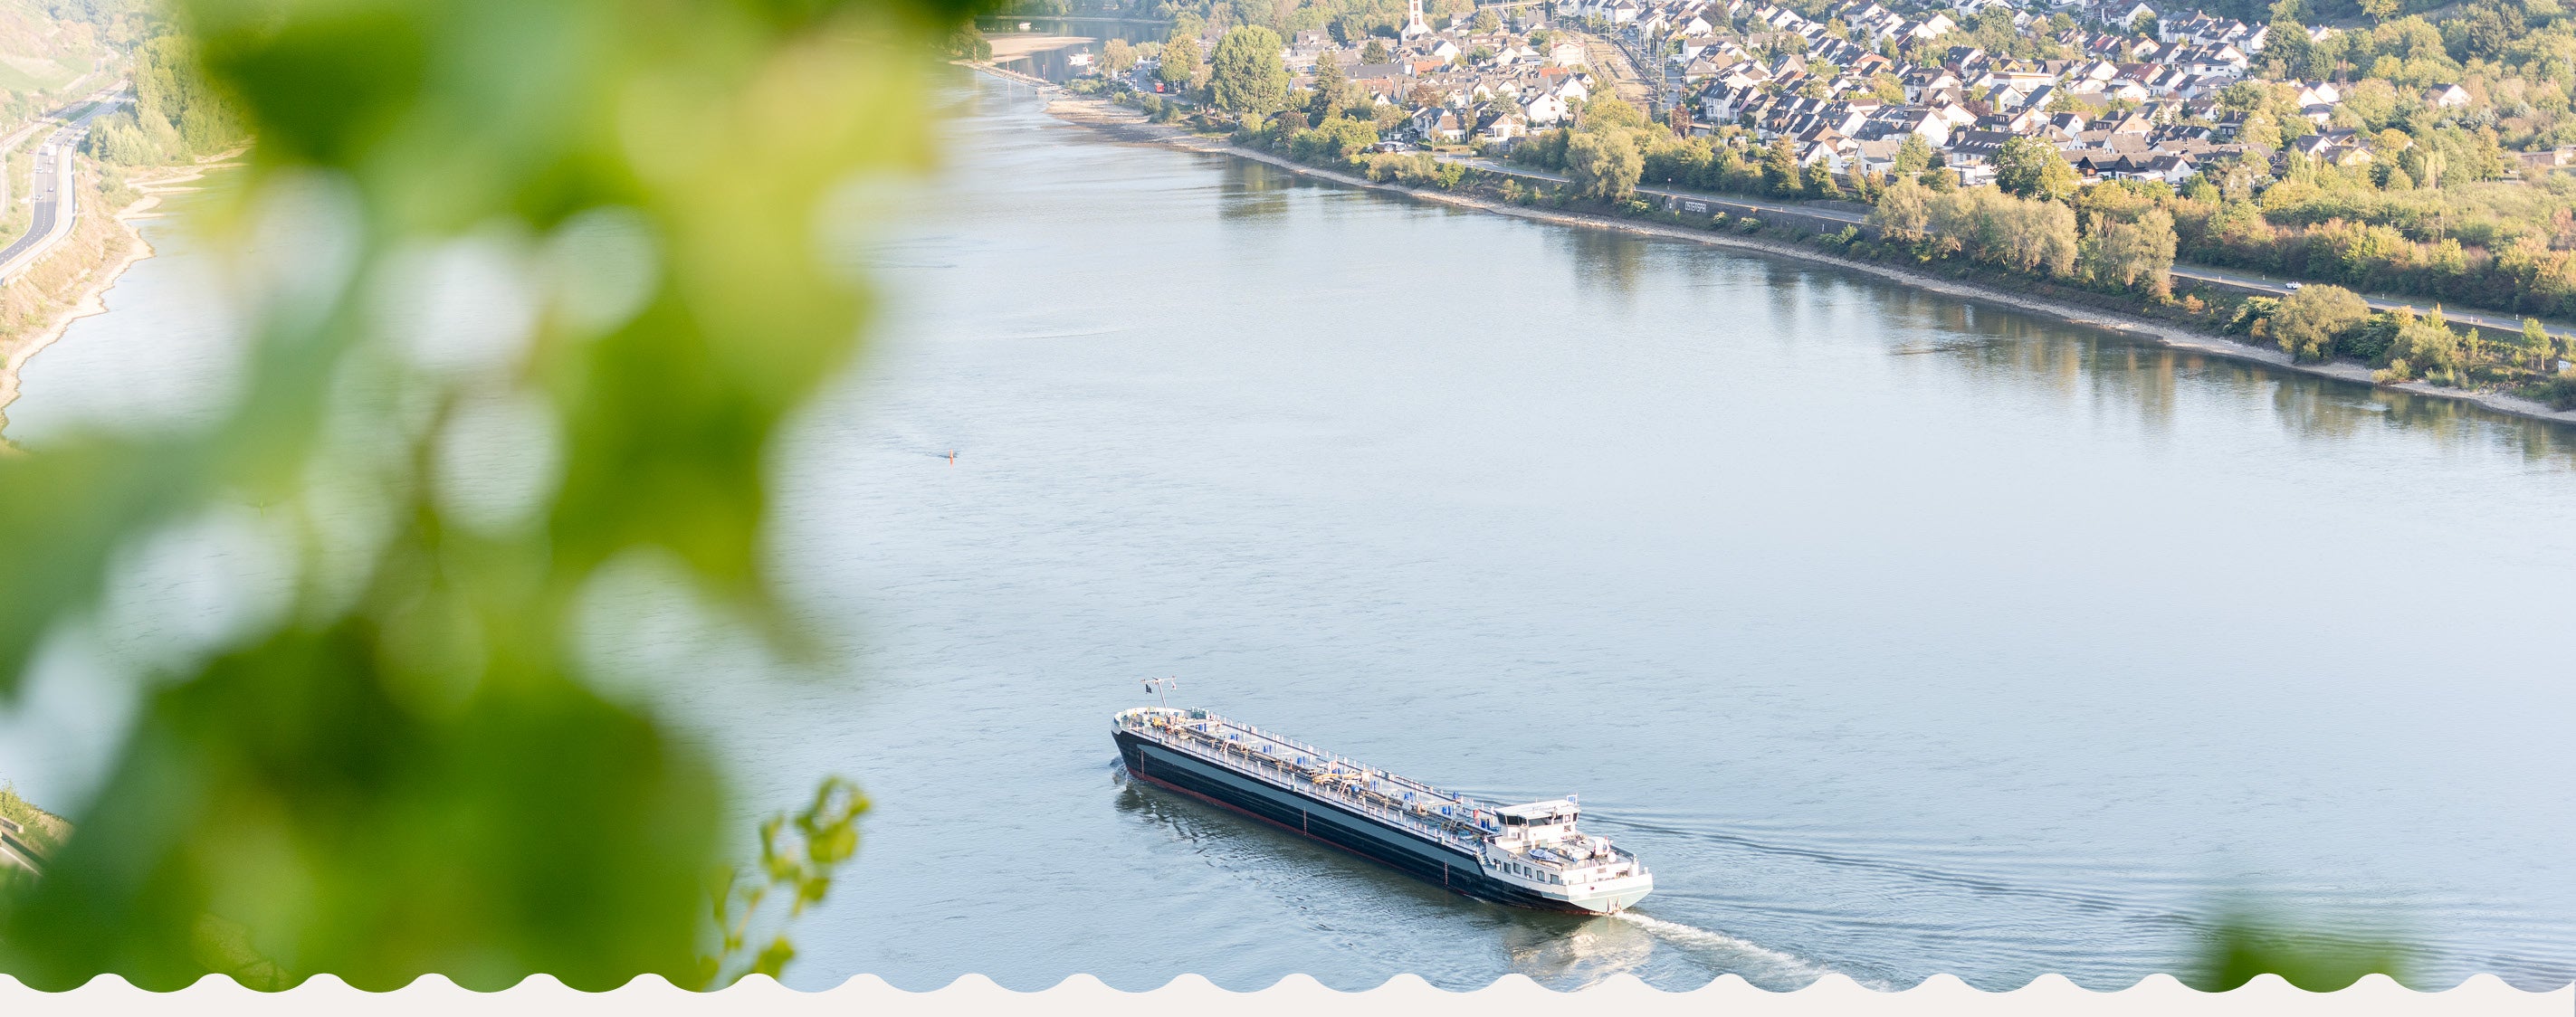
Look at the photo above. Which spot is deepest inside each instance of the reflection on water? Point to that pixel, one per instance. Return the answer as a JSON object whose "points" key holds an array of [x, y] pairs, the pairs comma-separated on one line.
{"points": [[1057, 64], [1254, 191], [1581, 952]]}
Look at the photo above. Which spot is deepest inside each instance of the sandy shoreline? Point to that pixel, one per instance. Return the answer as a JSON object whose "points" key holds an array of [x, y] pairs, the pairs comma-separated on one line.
{"points": [[92, 298], [1129, 125]]}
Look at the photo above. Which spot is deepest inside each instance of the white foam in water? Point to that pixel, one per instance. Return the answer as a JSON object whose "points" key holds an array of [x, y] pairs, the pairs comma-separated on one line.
{"points": [[1785, 964]]}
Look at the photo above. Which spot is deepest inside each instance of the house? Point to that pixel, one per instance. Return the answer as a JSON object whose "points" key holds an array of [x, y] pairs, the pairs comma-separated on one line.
{"points": [[2446, 97], [1976, 148], [1437, 123], [1543, 109], [1722, 104], [1877, 156], [2173, 168], [1932, 27], [2344, 147]]}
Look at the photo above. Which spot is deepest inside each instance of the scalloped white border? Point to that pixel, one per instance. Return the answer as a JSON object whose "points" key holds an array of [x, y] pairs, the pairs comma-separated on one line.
{"points": [[1295, 996]]}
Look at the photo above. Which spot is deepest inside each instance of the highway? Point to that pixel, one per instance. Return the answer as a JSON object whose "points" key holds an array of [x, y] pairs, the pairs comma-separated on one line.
{"points": [[2243, 282], [16, 852], [55, 204]]}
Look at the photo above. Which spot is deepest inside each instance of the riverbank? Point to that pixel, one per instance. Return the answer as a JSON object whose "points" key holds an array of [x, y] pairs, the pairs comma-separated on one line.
{"points": [[1127, 124], [40, 305]]}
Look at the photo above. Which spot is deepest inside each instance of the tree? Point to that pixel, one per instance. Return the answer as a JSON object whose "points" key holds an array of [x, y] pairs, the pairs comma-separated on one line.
{"points": [[1913, 155], [2022, 234], [1116, 56], [1902, 212], [170, 89], [1603, 164], [1820, 180], [1338, 139], [2423, 347], [2128, 253], [1180, 62], [2259, 132], [1248, 75], [1780, 167], [2031, 168], [2309, 321], [2538, 344], [1375, 52], [1333, 91], [1387, 116], [1610, 111], [1487, 20]]}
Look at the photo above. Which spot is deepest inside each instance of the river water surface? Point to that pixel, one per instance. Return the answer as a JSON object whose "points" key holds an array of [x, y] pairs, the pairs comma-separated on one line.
{"points": [[1898, 635]]}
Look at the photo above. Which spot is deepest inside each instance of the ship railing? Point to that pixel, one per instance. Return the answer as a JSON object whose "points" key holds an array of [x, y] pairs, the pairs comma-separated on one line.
{"points": [[1262, 765], [1324, 756], [1135, 718]]}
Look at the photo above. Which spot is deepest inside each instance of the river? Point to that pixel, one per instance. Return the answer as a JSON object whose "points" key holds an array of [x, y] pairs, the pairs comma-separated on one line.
{"points": [[1899, 635]]}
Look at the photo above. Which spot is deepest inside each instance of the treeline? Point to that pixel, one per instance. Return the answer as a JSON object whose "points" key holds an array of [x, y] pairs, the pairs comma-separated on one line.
{"points": [[2527, 276], [2116, 237], [2323, 322], [176, 116]]}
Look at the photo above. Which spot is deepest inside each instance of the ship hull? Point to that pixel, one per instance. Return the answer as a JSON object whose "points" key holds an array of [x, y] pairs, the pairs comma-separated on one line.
{"points": [[1325, 821]]}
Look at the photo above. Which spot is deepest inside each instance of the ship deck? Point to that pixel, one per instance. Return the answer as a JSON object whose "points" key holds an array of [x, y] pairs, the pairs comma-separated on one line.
{"points": [[1450, 819]]}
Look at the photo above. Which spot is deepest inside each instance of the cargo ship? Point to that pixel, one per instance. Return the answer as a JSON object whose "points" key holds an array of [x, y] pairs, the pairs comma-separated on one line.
{"points": [[1529, 855]]}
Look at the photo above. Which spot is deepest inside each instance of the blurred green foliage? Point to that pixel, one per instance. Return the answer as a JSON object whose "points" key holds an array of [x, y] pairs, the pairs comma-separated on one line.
{"points": [[2244, 944], [579, 234], [825, 835]]}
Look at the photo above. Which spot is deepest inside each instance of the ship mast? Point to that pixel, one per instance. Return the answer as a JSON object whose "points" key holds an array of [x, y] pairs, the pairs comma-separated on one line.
{"points": [[1159, 685]]}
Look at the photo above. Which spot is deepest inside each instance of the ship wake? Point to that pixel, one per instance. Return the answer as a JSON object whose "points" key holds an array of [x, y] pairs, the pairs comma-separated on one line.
{"points": [[1766, 964]]}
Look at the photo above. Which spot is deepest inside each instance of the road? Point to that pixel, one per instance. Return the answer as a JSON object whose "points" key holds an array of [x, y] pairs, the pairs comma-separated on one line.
{"points": [[18, 137], [16, 852], [56, 204], [2244, 282], [1730, 200]]}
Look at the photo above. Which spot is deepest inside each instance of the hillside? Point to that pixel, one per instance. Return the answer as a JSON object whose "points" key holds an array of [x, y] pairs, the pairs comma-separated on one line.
{"points": [[47, 44]]}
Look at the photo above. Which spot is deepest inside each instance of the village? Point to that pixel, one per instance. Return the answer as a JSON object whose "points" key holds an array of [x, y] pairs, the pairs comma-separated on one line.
{"points": [[2137, 94]]}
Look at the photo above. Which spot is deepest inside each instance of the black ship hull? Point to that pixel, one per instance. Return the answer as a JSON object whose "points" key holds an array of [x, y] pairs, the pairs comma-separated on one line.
{"points": [[1329, 822]]}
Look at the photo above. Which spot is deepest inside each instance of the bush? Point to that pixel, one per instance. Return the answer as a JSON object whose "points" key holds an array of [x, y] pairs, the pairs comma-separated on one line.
{"points": [[1748, 224], [1416, 170], [2251, 315], [2369, 343], [2310, 321], [1337, 141], [2560, 390]]}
